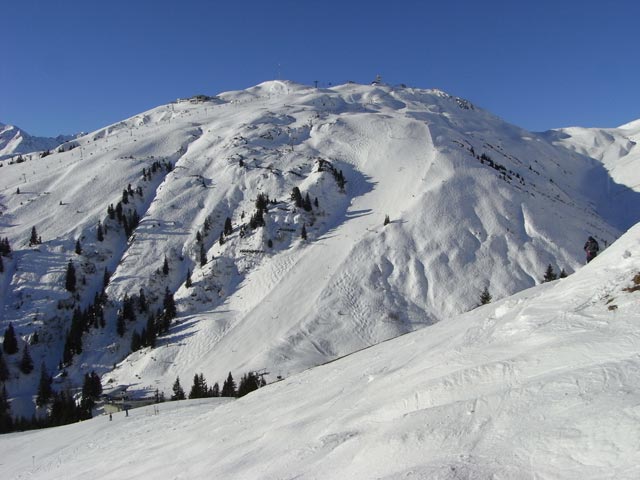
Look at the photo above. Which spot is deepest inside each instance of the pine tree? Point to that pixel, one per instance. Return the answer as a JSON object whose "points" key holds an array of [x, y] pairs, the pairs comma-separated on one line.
{"points": [[136, 341], [386, 220], [169, 304], [199, 387], [78, 247], [215, 390], [178, 392], [221, 239], [549, 274], [198, 237], [70, 278], [1, 265], [303, 233], [248, 383], [228, 228], [100, 233], [563, 274], [4, 370], [296, 196], [143, 305], [228, 387], [6, 423], [105, 278], [485, 296], [150, 341], [44, 386], [188, 282], [120, 325], [26, 363], [165, 267], [306, 203], [203, 256], [10, 342], [34, 239]]}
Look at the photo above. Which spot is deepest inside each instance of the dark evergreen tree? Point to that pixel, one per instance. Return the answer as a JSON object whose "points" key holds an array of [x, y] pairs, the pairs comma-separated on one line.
{"points": [[262, 202], [6, 422], [128, 308], [228, 387], [165, 266], [120, 325], [549, 274], [1, 265], [34, 239], [169, 304], [111, 211], [315, 202], [198, 237], [5, 247], [105, 278], [4, 370], [136, 341], [44, 386], [270, 243], [100, 233], [207, 225], [303, 232], [70, 278], [203, 256], [150, 340], [143, 305], [10, 342], [563, 274], [78, 247], [215, 390], [228, 228], [178, 392], [221, 239], [119, 212], [199, 388], [26, 363], [306, 203], [125, 197], [485, 296], [188, 282], [248, 383], [386, 220], [296, 196]]}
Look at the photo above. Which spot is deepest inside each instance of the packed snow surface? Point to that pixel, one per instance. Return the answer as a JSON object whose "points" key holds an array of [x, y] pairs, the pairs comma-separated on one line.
{"points": [[544, 384], [472, 201]]}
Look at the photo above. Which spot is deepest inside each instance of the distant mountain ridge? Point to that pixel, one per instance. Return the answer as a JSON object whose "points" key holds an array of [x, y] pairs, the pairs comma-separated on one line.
{"points": [[14, 141], [310, 269]]}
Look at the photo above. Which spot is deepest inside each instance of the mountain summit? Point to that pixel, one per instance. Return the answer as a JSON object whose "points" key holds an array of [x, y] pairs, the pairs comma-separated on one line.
{"points": [[15, 141], [282, 226]]}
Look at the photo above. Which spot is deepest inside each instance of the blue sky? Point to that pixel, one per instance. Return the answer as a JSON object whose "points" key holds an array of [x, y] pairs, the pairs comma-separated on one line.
{"points": [[70, 65]]}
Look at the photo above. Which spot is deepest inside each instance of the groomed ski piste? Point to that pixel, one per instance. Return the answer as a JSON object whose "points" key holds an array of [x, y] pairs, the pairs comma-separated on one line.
{"points": [[544, 384], [473, 202]]}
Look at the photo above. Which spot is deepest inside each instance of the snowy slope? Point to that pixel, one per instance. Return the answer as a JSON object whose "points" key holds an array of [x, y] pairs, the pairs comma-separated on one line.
{"points": [[616, 148], [544, 384], [15, 141], [473, 202]]}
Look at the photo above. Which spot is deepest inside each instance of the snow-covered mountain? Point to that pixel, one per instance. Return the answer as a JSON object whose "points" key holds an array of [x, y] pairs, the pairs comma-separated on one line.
{"points": [[15, 141], [472, 202], [544, 384], [616, 148]]}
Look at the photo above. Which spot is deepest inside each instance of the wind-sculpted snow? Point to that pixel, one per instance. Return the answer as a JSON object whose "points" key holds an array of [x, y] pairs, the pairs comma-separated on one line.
{"points": [[543, 384], [472, 202]]}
